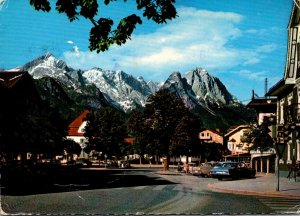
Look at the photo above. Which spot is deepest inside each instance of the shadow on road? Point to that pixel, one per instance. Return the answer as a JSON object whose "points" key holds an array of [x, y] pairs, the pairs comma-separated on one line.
{"points": [[30, 181]]}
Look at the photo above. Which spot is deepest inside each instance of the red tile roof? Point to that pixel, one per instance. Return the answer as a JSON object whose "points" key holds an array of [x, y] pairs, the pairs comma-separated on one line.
{"points": [[129, 140], [74, 126]]}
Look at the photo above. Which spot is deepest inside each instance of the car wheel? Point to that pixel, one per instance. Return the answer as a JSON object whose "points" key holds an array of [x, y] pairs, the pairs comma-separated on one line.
{"points": [[219, 178]]}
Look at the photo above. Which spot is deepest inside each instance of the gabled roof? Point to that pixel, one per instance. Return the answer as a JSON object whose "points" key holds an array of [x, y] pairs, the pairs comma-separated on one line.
{"points": [[294, 17], [236, 129], [129, 140], [74, 126]]}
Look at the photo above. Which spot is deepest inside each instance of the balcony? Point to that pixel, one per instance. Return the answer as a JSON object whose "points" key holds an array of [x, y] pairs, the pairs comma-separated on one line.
{"points": [[292, 113]]}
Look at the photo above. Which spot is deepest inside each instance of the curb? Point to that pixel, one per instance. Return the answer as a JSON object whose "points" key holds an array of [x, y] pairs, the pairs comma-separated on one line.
{"points": [[245, 192], [168, 173]]}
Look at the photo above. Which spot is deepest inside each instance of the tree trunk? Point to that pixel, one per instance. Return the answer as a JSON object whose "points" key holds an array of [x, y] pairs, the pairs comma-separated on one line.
{"points": [[166, 163], [140, 159]]}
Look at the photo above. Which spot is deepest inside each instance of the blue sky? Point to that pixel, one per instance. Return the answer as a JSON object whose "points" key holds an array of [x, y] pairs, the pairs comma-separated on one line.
{"points": [[241, 42]]}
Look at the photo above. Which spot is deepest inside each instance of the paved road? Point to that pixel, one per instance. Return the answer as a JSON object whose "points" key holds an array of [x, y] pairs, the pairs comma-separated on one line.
{"points": [[139, 191]]}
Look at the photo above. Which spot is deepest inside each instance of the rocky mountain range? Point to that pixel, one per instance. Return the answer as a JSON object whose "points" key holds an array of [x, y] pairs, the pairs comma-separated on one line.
{"points": [[75, 89]]}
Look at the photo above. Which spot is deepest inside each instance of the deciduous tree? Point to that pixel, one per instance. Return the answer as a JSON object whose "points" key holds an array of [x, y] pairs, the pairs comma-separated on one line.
{"points": [[185, 140], [136, 128], [105, 131], [71, 147], [165, 115], [259, 137]]}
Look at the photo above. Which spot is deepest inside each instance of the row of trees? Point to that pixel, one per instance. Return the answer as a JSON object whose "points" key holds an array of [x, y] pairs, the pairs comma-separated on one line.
{"points": [[164, 127]]}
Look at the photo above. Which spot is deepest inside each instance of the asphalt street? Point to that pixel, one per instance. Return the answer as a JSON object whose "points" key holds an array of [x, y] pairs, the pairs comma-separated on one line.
{"points": [[138, 192]]}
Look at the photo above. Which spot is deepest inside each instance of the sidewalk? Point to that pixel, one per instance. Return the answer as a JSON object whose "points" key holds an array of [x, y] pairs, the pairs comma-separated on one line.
{"points": [[263, 185]]}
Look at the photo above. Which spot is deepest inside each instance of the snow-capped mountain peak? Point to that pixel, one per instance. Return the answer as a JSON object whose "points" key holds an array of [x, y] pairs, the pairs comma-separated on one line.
{"points": [[96, 87], [208, 87], [196, 87]]}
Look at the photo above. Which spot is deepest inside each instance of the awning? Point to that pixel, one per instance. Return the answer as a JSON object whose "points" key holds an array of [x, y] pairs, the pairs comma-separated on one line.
{"points": [[281, 87], [238, 155]]}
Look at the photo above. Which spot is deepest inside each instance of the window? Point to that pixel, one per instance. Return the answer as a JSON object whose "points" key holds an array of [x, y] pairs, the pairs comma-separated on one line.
{"points": [[292, 53]]}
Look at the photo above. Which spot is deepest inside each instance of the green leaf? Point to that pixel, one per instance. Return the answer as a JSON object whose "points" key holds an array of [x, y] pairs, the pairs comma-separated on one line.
{"points": [[43, 5], [69, 7], [89, 8]]}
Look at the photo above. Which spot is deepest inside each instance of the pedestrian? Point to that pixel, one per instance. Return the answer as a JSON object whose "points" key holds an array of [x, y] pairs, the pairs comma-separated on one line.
{"points": [[179, 167], [187, 170]]}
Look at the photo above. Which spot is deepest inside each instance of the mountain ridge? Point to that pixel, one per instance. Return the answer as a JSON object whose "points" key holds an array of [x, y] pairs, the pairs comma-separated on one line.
{"points": [[96, 87]]}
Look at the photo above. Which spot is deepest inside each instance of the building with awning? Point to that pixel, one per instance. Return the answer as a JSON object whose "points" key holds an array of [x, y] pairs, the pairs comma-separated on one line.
{"points": [[287, 91], [263, 161]]}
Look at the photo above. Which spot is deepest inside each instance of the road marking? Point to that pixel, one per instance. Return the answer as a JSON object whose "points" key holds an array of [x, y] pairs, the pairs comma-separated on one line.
{"points": [[80, 197], [178, 188], [282, 204], [140, 187], [159, 187], [183, 189]]}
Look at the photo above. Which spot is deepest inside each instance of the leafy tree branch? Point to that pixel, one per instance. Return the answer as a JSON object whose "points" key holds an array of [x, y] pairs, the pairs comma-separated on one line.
{"points": [[102, 36]]}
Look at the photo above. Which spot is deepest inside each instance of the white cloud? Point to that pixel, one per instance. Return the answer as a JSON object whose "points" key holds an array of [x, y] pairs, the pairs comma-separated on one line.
{"points": [[76, 50], [70, 42], [257, 54], [264, 31], [196, 38], [165, 56], [266, 48], [257, 76]]}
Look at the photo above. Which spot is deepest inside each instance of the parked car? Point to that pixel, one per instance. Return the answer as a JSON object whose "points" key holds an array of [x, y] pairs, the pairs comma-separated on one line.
{"points": [[232, 170], [203, 169], [83, 163]]}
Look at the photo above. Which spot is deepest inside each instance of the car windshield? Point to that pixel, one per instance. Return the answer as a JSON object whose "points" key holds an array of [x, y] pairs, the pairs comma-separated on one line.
{"points": [[226, 164], [229, 165]]}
